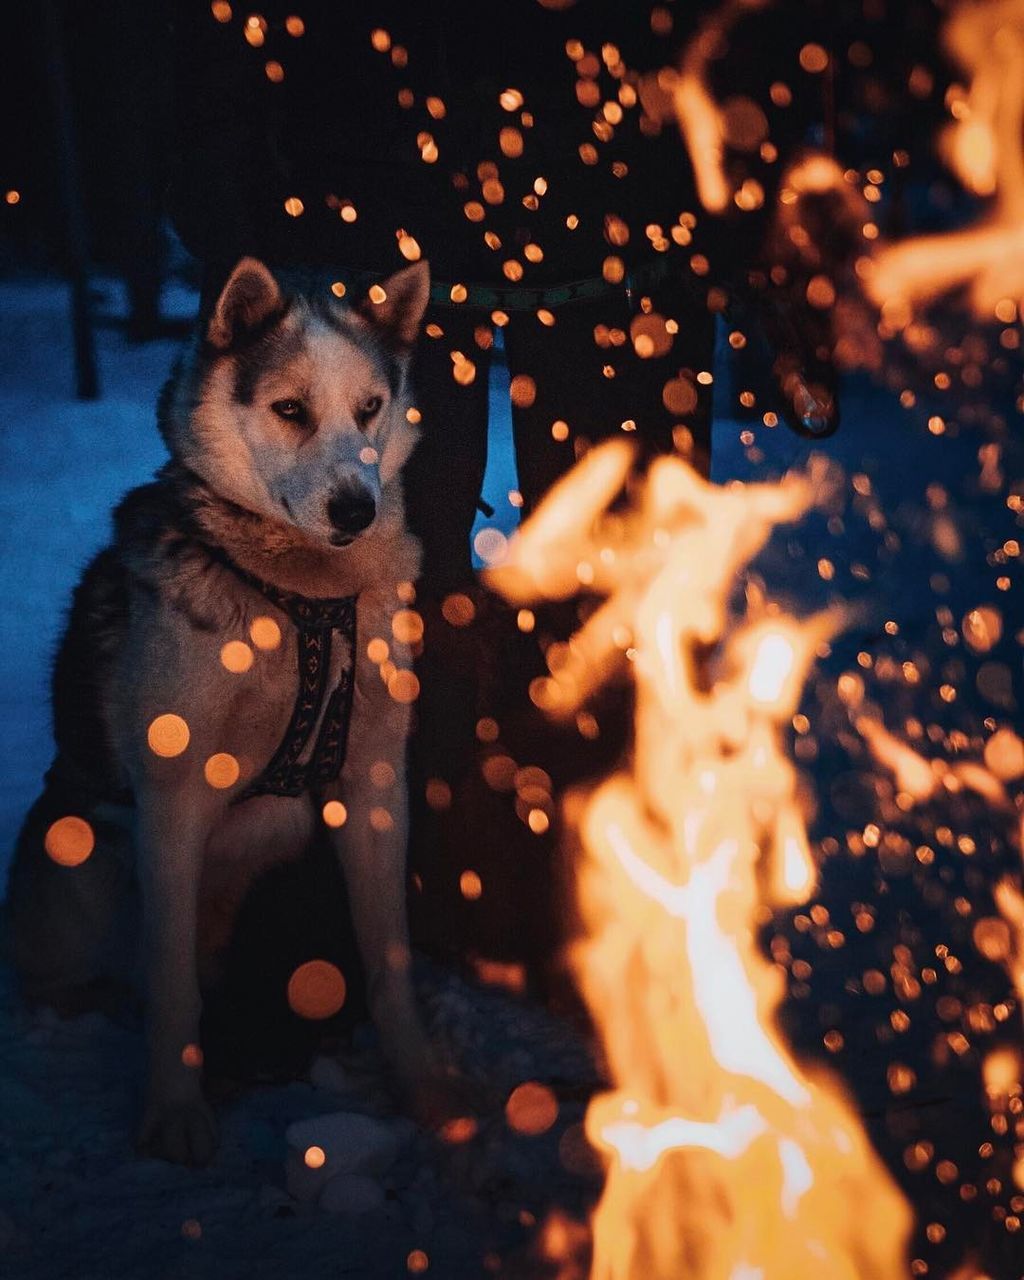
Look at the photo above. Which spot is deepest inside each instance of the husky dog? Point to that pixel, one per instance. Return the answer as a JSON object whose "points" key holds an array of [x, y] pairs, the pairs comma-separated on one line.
{"points": [[214, 697]]}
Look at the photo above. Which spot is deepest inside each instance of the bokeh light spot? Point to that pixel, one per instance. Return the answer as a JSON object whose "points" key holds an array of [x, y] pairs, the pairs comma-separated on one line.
{"points": [[982, 628], [334, 813], [458, 610], [458, 1131], [407, 626], [192, 1057], [523, 390], [439, 794], [679, 395], [316, 990], [377, 650], [538, 821], [69, 841], [404, 686], [381, 819], [813, 58], [531, 1108], [168, 736], [1004, 755], [470, 885], [264, 633], [490, 545], [221, 770], [236, 656]]}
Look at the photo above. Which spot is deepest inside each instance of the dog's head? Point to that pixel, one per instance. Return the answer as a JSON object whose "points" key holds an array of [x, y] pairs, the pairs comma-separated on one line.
{"points": [[297, 407]]}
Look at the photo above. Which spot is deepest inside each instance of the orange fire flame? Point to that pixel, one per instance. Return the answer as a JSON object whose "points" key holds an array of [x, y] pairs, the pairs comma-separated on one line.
{"points": [[686, 96], [725, 1161], [985, 148]]}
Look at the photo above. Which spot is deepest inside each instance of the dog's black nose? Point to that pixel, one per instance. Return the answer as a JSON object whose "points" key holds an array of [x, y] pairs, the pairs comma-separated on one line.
{"points": [[351, 510]]}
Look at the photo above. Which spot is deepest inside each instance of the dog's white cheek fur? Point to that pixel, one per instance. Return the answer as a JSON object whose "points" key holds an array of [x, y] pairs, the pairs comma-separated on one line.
{"points": [[397, 443]]}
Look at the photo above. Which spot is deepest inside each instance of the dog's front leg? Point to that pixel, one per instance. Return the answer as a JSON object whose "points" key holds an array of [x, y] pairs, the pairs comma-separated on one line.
{"points": [[372, 846], [178, 1124]]}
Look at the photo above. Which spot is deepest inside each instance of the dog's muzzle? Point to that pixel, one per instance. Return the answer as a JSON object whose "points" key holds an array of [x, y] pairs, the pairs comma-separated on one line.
{"points": [[350, 511]]}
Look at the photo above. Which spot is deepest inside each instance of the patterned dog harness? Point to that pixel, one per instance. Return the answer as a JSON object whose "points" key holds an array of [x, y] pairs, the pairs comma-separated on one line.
{"points": [[316, 621]]}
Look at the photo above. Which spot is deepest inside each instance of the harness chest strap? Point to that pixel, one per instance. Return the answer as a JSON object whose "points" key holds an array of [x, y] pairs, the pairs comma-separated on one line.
{"points": [[317, 621]]}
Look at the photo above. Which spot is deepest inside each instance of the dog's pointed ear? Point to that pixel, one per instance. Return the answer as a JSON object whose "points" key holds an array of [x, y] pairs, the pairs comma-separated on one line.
{"points": [[402, 301], [250, 297]]}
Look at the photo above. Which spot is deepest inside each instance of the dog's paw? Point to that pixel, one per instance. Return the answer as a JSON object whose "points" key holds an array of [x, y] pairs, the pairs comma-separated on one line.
{"points": [[181, 1132]]}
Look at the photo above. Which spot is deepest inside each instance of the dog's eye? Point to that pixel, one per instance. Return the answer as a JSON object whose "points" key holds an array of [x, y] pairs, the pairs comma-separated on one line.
{"points": [[369, 409], [291, 411]]}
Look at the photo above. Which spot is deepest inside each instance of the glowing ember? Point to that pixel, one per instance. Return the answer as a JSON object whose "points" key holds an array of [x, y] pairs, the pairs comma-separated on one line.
{"points": [[724, 1159], [920, 778], [914, 775], [998, 939]]}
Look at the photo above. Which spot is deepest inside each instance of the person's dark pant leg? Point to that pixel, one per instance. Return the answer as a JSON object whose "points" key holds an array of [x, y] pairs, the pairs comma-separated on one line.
{"points": [[669, 396], [560, 394], [583, 380], [573, 384], [445, 474], [442, 484]]}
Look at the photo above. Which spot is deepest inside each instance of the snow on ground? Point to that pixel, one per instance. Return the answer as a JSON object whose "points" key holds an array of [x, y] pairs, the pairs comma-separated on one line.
{"points": [[78, 1204], [63, 465], [75, 1202]]}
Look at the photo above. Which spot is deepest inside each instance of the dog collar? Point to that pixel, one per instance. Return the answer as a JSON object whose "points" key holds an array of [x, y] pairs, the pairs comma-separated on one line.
{"points": [[305, 611], [316, 620]]}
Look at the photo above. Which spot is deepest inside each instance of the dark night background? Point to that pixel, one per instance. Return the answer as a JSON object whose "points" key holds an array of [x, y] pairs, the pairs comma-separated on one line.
{"points": [[145, 147]]}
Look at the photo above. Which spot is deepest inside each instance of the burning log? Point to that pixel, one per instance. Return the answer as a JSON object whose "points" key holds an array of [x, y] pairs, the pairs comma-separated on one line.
{"points": [[725, 1161]]}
